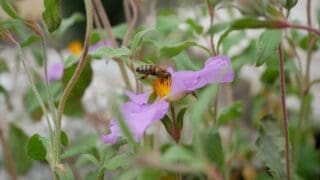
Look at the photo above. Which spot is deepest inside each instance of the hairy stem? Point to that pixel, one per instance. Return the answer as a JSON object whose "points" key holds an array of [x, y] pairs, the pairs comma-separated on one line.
{"points": [[284, 111]]}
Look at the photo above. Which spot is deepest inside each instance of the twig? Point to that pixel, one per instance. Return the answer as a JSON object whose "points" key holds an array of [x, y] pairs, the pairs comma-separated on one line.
{"points": [[284, 110]]}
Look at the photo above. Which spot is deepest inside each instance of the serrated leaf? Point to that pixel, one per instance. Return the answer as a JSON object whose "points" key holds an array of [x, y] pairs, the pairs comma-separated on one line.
{"points": [[136, 43], [106, 52], [267, 45], [52, 14], [73, 105], [36, 148], [212, 147], [8, 9], [175, 49], [17, 144]]}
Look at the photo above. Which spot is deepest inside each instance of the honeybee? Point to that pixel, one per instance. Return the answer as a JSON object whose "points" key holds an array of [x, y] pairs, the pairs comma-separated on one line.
{"points": [[153, 70]]}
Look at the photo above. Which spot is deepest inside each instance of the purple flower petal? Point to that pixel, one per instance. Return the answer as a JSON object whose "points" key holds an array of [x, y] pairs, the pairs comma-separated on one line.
{"points": [[217, 69], [100, 44], [55, 71], [138, 115]]}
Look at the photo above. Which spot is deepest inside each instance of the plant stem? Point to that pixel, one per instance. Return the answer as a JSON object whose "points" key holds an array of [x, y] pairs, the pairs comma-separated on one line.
{"points": [[211, 14], [7, 157], [105, 21], [284, 110]]}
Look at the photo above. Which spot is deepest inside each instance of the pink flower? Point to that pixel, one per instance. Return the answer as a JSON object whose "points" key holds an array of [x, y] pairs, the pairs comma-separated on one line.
{"points": [[139, 115], [55, 71]]}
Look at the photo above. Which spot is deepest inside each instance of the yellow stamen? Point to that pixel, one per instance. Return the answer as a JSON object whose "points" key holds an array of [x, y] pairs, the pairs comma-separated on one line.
{"points": [[75, 47], [162, 86]]}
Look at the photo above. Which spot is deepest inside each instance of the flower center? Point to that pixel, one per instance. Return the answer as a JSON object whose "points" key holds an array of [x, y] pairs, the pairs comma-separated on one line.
{"points": [[161, 86]]}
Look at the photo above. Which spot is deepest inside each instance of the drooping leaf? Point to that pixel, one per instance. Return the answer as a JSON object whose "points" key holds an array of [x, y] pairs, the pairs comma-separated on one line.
{"points": [[17, 144], [52, 14], [212, 147], [36, 147], [267, 45], [73, 105]]}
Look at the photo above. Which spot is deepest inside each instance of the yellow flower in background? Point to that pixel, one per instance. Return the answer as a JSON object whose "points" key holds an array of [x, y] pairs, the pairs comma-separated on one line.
{"points": [[75, 47]]}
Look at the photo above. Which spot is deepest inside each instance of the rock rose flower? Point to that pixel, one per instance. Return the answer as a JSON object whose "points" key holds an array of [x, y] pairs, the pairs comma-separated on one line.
{"points": [[139, 115]]}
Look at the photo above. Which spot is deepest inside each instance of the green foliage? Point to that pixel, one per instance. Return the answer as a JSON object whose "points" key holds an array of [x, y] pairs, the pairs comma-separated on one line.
{"points": [[136, 43], [64, 172], [17, 144], [73, 105], [106, 52], [37, 147], [32, 104], [82, 145], [194, 25], [66, 23], [173, 50], [270, 147], [288, 4], [213, 147], [230, 113], [267, 45], [52, 14], [9, 9]]}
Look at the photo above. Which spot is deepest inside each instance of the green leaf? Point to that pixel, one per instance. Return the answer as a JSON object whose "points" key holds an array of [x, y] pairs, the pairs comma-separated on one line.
{"points": [[230, 113], [166, 121], [120, 30], [73, 105], [71, 60], [106, 52], [251, 23], [270, 147], [122, 160], [36, 148], [8, 9], [218, 27], [166, 24], [180, 117], [52, 14], [269, 76], [64, 172], [194, 25], [82, 145], [17, 144], [232, 40], [213, 147], [136, 43], [173, 50], [64, 138], [178, 154], [289, 3], [267, 45], [84, 158], [303, 44], [30, 40], [68, 22]]}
